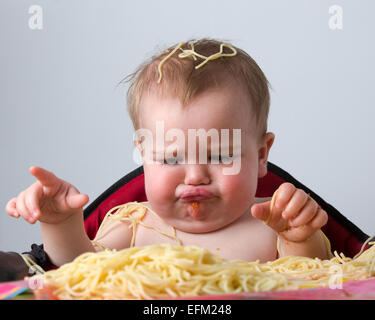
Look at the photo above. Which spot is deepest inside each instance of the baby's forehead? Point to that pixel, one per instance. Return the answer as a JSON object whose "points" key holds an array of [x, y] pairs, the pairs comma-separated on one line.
{"points": [[231, 102], [216, 112]]}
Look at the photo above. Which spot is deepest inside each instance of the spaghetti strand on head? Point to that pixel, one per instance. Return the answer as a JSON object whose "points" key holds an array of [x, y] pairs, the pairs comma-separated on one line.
{"points": [[192, 53]]}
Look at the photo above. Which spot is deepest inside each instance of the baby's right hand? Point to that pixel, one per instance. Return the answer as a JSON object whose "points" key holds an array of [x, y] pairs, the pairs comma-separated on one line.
{"points": [[49, 200]]}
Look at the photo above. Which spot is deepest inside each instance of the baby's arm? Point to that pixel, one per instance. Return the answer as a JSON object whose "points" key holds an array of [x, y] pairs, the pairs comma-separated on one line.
{"points": [[66, 240], [297, 219], [314, 246], [58, 206]]}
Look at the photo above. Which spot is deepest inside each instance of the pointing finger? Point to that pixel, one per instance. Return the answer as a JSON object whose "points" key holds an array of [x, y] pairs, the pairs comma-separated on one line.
{"points": [[46, 178]]}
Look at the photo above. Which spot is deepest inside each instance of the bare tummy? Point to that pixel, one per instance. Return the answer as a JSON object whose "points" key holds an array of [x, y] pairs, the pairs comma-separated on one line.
{"points": [[247, 238]]}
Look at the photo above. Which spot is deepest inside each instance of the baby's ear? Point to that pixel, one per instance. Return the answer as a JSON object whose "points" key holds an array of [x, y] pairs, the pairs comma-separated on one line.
{"points": [[138, 145], [263, 152], [138, 157]]}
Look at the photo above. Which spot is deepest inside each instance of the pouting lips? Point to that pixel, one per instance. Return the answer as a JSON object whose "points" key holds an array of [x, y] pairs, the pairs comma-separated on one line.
{"points": [[195, 198], [196, 194]]}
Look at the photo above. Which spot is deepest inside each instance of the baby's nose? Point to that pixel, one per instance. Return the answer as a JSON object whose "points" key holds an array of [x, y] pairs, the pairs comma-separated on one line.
{"points": [[196, 174]]}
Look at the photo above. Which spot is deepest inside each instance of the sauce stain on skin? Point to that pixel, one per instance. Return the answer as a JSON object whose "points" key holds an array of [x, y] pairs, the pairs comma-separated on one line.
{"points": [[195, 206]]}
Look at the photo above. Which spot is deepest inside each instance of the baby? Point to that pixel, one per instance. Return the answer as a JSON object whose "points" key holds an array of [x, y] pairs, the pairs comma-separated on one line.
{"points": [[198, 190]]}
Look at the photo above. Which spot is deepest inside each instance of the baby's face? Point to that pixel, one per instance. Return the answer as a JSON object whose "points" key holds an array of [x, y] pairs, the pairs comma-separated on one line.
{"points": [[171, 188]]}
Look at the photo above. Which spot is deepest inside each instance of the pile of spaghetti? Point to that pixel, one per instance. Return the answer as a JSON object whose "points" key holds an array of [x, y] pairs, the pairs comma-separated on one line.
{"points": [[166, 271]]}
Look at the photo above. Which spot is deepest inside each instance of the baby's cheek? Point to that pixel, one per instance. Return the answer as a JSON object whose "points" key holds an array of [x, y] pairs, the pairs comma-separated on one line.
{"points": [[159, 186], [237, 188]]}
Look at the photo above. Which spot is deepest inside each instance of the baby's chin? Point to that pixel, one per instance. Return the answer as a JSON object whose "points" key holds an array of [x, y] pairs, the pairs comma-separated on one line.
{"points": [[198, 226]]}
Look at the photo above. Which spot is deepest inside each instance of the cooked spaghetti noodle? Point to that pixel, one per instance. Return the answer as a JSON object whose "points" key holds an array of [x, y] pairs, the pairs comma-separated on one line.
{"points": [[133, 213], [165, 271], [192, 53]]}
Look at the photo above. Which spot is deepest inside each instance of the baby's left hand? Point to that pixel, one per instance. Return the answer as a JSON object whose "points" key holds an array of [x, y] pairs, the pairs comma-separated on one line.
{"points": [[292, 213]]}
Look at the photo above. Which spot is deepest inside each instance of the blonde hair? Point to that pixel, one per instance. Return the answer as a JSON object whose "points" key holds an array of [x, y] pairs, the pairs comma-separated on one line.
{"points": [[182, 80]]}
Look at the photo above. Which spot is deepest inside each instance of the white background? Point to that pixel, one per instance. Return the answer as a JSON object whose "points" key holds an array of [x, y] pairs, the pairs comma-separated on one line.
{"points": [[60, 107]]}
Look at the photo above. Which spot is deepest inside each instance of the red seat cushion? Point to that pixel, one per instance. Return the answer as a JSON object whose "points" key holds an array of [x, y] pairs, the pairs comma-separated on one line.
{"points": [[128, 189]]}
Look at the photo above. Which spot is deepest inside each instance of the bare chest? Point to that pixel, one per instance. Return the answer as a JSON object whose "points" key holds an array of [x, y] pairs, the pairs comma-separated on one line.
{"points": [[247, 238]]}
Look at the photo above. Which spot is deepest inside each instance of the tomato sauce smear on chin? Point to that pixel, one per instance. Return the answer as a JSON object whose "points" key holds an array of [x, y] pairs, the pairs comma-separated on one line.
{"points": [[194, 205]]}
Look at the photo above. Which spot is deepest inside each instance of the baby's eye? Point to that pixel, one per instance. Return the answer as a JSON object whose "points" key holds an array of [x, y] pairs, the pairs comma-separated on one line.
{"points": [[220, 158], [170, 161]]}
